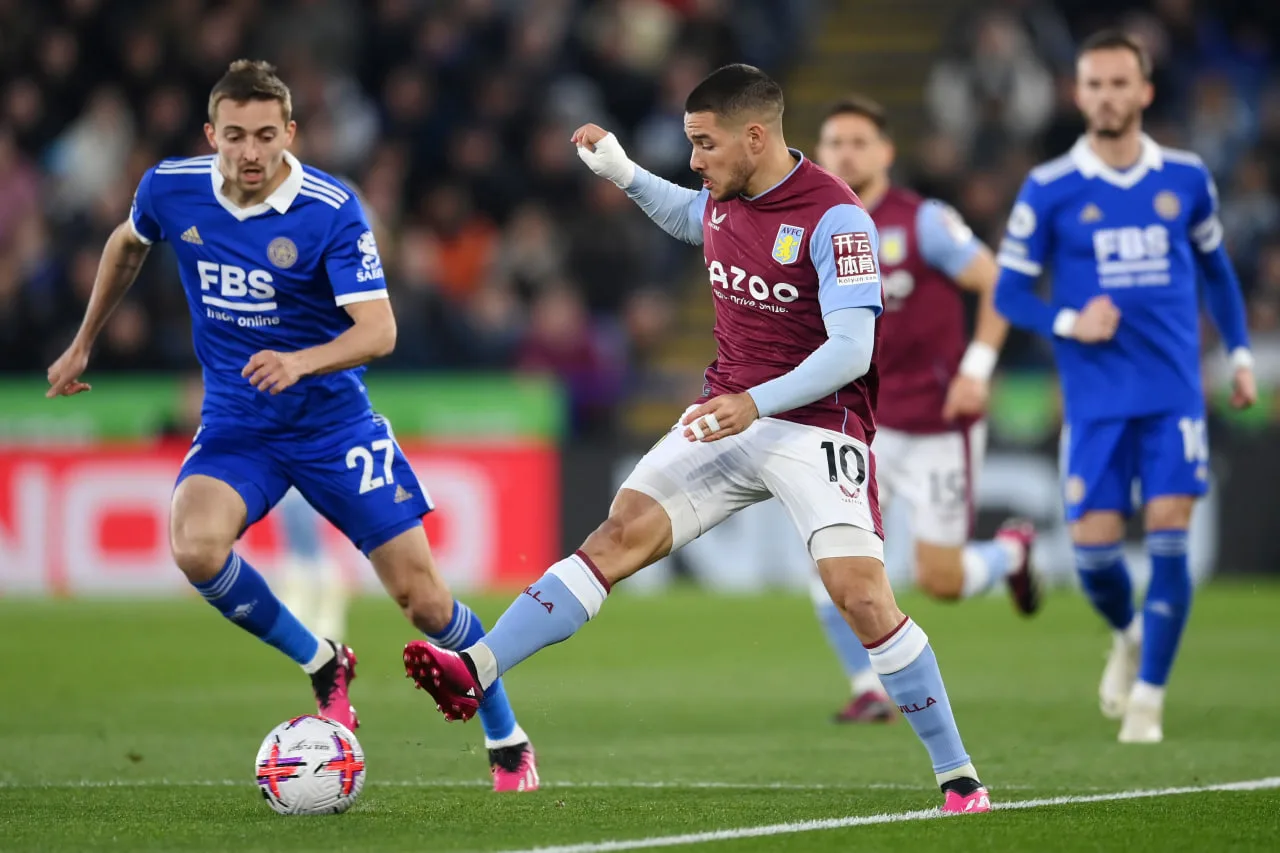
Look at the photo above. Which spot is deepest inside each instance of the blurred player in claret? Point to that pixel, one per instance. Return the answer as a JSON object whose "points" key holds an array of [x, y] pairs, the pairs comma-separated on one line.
{"points": [[288, 303], [1127, 228], [785, 411], [930, 432]]}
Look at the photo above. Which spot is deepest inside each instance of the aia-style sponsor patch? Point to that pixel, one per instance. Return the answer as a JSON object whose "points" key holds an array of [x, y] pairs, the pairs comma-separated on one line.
{"points": [[786, 246], [855, 259]]}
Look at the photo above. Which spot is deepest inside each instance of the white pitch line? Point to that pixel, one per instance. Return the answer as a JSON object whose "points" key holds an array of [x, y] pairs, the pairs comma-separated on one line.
{"points": [[870, 820], [481, 783]]}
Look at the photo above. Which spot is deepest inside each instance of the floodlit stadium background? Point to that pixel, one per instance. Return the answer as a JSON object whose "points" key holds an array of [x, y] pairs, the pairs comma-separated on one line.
{"points": [[549, 332]]}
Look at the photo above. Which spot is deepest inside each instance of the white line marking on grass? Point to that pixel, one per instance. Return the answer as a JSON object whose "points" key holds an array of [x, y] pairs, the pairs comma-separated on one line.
{"points": [[896, 817], [480, 783]]}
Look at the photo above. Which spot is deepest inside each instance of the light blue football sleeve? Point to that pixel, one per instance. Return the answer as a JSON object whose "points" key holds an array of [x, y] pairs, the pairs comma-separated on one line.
{"points": [[676, 209], [946, 243], [845, 249], [842, 358], [142, 214]]}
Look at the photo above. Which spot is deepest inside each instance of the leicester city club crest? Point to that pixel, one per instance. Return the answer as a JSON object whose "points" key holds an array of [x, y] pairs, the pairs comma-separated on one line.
{"points": [[786, 246], [282, 252], [1167, 204]]}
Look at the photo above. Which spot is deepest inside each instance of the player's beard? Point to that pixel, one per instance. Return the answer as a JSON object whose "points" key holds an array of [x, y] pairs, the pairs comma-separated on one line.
{"points": [[1117, 128], [736, 185]]}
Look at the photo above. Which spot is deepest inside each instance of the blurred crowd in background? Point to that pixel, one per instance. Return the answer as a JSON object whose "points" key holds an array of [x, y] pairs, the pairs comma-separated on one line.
{"points": [[453, 120]]}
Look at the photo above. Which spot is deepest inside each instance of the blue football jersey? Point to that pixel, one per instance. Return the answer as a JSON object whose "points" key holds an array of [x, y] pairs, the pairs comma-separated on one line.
{"points": [[1140, 236], [274, 276]]}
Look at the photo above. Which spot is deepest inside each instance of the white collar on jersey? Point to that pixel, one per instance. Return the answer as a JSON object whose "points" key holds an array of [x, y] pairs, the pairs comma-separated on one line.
{"points": [[1090, 165], [279, 201]]}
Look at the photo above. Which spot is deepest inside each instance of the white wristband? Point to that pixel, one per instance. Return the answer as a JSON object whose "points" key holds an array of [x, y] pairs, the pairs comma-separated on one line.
{"points": [[979, 361], [1241, 359], [1064, 324]]}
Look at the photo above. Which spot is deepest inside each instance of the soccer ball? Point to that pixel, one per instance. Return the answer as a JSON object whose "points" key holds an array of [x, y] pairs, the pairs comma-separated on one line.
{"points": [[310, 765]]}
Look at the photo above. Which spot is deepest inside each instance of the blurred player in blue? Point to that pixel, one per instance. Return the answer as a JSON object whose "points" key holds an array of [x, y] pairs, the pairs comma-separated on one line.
{"points": [[288, 303], [1125, 228]]}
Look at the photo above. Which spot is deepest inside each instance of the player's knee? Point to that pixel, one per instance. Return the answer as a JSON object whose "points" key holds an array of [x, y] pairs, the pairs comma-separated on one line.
{"points": [[625, 542], [1169, 513], [858, 586], [199, 551], [426, 603], [1098, 528]]}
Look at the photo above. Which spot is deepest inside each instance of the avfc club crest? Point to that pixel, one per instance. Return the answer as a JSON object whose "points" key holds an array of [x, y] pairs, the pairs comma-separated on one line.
{"points": [[893, 246], [282, 252], [786, 246]]}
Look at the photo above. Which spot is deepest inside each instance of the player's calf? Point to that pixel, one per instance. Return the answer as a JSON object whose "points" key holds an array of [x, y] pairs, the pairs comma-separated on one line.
{"points": [[940, 570], [902, 658]]}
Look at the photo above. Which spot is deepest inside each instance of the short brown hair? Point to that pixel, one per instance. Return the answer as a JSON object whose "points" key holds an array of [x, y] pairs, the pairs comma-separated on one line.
{"points": [[1118, 40], [735, 89], [860, 105], [251, 80]]}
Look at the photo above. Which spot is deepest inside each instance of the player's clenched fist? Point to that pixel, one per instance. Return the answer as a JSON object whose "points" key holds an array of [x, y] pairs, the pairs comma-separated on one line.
{"points": [[1097, 322], [603, 154], [720, 417], [966, 398], [272, 371], [64, 374], [1244, 388]]}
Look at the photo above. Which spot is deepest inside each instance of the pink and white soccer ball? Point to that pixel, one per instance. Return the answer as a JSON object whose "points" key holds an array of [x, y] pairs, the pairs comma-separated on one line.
{"points": [[310, 765]]}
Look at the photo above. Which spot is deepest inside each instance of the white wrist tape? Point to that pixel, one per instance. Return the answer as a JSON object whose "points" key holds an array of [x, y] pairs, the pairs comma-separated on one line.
{"points": [[979, 361], [1241, 359], [1065, 323]]}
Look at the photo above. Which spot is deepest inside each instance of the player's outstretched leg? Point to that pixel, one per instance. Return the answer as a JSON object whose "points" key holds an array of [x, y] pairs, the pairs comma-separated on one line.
{"points": [[206, 519], [549, 610], [901, 656], [869, 703], [406, 567]]}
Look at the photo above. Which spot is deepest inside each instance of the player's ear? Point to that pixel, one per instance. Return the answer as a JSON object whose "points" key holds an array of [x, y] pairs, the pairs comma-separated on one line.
{"points": [[212, 135], [290, 131], [1148, 93], [755, 133]]}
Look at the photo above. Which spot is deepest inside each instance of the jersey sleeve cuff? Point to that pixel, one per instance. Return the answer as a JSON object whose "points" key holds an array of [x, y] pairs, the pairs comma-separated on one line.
{"points": [[1241, 359], [142, 237], [1065, 322], [361, 296]]}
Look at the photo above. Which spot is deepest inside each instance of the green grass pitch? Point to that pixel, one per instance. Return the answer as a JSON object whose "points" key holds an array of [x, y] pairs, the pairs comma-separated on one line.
{"points": [[133, 726]]}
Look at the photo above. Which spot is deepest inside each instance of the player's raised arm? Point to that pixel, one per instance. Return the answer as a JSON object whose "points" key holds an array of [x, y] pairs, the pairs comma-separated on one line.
{"points": [[844, 248], [676, 209], [122, 257], [359, 286], [1222, 291], [1021, 258]]}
